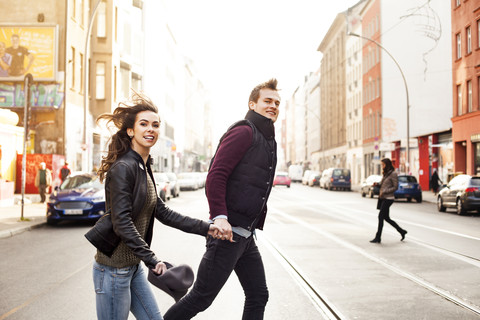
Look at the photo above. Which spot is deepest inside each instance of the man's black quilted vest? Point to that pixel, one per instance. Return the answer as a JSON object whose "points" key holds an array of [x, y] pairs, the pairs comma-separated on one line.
{"points": [[250, 183]]}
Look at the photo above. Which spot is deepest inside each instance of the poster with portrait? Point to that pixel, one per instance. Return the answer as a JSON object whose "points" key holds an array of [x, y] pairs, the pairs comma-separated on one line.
{"points": [[28, 49]]}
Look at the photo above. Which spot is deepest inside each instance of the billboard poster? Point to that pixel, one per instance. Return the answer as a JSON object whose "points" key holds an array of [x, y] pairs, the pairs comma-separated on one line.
{"points": [[28, 49]]}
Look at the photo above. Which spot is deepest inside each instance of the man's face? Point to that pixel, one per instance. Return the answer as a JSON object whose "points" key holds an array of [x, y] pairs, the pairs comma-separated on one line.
{"points": [[15, 42], [267, 104]]}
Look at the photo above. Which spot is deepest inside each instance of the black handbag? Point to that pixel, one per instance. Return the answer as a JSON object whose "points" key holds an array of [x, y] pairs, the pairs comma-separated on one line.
{"points": [[379, 203], [102, 235]]}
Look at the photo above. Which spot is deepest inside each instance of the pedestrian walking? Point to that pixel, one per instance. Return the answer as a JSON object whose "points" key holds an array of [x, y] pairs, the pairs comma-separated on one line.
{"points": [[388, 186], [123, 236], [238, 185], [435, 182], [64, 172], [43, 180]]}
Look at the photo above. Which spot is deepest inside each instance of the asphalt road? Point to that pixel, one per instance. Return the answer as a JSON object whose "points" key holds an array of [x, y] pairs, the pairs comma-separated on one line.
{"points": [[321, 235]]}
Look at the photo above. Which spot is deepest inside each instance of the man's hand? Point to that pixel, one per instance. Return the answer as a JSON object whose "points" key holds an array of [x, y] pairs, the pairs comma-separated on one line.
{"points": [[160, 268], [215, 231], [227, 233]]}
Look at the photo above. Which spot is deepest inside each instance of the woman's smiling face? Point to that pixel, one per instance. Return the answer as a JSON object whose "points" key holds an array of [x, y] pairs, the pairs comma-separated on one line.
{"points": [[145, 131]]}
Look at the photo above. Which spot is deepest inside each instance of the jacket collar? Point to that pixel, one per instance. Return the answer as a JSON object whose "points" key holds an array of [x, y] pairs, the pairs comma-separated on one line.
{"points": [[138, 157], [262, 123]]}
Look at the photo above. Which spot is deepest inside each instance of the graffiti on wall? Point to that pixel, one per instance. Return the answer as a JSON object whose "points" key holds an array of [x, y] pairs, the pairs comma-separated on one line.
{"points": [[42, 95]]}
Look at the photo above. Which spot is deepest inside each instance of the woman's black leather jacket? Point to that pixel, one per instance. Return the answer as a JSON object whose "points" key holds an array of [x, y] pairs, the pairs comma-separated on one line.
{"points": [[125, 195]]}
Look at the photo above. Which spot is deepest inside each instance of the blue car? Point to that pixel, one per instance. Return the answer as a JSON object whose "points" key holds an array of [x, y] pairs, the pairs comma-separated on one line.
{"points": [[408, 188], [81, 197]]}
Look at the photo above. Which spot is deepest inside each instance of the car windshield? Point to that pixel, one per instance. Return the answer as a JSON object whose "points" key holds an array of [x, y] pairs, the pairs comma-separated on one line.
{"points": [[475, 181], [341, 172], [81, 182], [407, 179], [160, 177]]}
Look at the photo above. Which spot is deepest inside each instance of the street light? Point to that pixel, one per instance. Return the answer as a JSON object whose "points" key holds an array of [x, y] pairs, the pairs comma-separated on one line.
{"points": [[404, 81], [86, 85]]}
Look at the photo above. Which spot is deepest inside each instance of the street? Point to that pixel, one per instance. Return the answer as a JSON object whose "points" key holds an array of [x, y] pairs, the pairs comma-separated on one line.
{"points": [[318, 259]]}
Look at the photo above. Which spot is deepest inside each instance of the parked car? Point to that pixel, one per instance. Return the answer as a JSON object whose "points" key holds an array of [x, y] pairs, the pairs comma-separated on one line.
{"points": [[81, 197], [306, 176], [188, 181], [163, 185], [338, 179], [282, 179], [314, 179], [295, 172], [174, 188], [371, 186], [325, 176], [408, 188], [461, 193]]}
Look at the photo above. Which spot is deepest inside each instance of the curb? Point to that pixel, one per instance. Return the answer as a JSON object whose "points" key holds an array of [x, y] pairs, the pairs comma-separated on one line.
{"points": [[14, 231]]}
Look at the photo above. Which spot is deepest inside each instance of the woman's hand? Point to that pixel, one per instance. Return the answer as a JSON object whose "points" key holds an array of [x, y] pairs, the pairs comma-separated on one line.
{"points": [[225, 229], [160, 268]]}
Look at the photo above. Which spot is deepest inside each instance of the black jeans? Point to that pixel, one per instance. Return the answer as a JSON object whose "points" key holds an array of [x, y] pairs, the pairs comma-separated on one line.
{"points": [[42, 190], [384, 214], [218, 262]]}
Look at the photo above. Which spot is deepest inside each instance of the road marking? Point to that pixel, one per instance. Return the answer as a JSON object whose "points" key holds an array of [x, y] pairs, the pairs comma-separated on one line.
{"points": [[445, 294], [44, 292]]}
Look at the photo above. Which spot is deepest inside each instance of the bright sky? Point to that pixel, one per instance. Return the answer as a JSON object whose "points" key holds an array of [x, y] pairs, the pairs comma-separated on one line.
{"points": [[238, 44]]}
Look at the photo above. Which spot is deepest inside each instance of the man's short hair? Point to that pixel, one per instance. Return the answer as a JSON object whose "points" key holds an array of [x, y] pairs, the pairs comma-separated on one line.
{"points": [[255, 94]]}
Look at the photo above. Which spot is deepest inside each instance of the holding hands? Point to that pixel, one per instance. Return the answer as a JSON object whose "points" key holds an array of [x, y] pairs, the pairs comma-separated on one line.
{"points": [[221, 229]]}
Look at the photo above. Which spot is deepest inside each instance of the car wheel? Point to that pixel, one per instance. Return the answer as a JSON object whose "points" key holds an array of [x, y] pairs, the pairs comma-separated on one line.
{"points": [[288, 186], [409, 199], [51, 222], [419, 199], [162, 196], [440, 206], [363, 194], [460, 209], [370, 194]]}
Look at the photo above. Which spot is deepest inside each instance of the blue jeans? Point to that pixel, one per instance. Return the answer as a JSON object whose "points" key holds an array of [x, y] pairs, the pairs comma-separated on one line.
{"points": [[120, 290], [220, 259]]}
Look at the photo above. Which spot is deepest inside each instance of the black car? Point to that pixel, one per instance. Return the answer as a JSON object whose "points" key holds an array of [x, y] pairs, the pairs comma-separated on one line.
{"points": [[371, 186], [461, 193]]}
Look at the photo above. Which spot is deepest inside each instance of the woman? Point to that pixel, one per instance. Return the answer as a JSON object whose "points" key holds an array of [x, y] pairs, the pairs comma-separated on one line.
{"points": [[388, 186], [123, 237]]}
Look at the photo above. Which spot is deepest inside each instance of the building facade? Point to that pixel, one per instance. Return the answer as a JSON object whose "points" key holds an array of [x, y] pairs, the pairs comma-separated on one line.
{"points": [[466, 85]]}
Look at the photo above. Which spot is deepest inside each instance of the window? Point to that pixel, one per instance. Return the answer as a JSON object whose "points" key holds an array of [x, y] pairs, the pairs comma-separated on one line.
{"points": [[81, 72], [459, 45], [469, 40], [73, 67], [478, 33], [82, 12], [100, 80], [124, 82], [459, 100], [115, 83], [102, 20], [74, 7], [457, 3], [469, 96]]}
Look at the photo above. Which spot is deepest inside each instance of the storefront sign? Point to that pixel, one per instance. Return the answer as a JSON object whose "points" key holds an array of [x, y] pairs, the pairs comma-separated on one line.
{"points": [[475, 137], [43, 95]]}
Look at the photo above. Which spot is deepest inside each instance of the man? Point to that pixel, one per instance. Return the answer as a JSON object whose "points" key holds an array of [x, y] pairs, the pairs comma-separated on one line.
{"points": [[18, 53], [43, 180], [238, 185], [5, 60], [64, 172]]}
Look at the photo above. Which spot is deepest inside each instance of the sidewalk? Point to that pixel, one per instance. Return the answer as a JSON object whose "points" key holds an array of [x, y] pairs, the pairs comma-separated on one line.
{"points": [[35, 214]]}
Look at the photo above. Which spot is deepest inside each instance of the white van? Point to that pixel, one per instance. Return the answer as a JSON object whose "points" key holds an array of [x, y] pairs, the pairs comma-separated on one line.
{"points": [[295, 172]]}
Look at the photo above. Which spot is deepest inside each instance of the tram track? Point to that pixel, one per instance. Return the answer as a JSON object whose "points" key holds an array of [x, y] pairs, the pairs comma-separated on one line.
{"points": [[321, 300]]}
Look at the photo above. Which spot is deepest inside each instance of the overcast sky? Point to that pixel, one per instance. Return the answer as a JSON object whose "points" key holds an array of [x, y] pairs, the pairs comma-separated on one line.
{"points": [[237, 44]]}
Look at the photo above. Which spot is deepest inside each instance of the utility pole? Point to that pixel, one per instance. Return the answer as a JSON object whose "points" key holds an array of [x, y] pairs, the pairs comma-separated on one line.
{"points": [[27, 82]]}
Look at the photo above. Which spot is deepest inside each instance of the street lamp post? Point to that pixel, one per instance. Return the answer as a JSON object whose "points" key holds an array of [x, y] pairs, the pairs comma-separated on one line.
{"points": [[86, 85], [406, 90]]}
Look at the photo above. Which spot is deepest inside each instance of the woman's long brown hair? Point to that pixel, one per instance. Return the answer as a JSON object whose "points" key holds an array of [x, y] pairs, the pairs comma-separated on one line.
{"points": [[123, 117]]}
